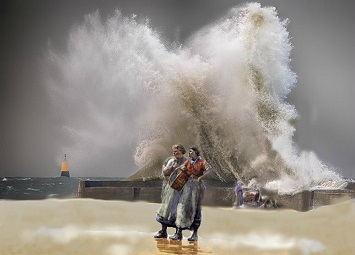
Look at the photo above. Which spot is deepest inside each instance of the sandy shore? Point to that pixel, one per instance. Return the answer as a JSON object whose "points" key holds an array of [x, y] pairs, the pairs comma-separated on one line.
{"points": [[97, 227]]}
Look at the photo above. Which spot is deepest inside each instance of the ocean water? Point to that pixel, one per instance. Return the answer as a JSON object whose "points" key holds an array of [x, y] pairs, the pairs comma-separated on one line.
{"points": [[32, 188]]}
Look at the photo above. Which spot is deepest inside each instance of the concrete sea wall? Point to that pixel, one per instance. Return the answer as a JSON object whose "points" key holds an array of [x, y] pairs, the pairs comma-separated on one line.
{"points": [[216, 194]]}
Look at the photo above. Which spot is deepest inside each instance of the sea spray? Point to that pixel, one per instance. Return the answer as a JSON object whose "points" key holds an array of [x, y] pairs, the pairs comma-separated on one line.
{"points": [[100, 87], [119, 88], [238, 114]]}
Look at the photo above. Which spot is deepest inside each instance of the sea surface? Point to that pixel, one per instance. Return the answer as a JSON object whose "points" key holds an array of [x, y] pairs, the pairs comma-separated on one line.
{"points": [[33, 188]]}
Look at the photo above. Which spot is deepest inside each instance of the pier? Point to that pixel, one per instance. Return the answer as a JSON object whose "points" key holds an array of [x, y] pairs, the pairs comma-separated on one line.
{"points": [[216, 194]]}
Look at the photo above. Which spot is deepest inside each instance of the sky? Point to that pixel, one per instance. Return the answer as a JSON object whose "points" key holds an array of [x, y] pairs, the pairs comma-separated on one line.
{"points": [[323, 59]]}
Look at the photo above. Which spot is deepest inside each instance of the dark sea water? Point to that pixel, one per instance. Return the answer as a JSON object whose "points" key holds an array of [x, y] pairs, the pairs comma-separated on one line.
{"points": [[26, 188], [33, 188]]}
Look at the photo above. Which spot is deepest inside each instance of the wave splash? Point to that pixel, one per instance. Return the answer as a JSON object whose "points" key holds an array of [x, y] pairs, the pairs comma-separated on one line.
{"points": [[224, 90]]}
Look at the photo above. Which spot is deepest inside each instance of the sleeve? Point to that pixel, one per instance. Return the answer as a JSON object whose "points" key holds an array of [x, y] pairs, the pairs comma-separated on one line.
{"points": [[206, 166], [170, 162], [165, 171]]}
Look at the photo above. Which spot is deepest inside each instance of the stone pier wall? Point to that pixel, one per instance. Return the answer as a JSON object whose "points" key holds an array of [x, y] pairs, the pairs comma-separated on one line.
{"points": [[327, 197], [216, 194], [121, 190]]}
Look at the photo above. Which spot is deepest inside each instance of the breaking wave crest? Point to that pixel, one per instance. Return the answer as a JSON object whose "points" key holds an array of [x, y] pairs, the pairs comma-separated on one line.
{"points": [[128, 93]]}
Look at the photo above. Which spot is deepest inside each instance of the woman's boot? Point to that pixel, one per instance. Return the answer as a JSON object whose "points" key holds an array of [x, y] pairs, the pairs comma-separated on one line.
{"points": [[162, 233], [194, 236], [178, 235]]}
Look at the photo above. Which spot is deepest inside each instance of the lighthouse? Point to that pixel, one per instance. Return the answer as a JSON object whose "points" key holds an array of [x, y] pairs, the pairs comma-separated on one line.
{"points": [[65, 167]]}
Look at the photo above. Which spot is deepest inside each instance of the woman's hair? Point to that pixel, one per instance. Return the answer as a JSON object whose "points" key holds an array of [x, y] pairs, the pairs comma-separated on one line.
{"points": [[195, 149], [179, 147]]}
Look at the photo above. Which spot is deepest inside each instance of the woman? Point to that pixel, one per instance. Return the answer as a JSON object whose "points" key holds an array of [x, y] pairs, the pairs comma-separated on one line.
{"points": [[239, 194], [166, 215], [188, 215]]}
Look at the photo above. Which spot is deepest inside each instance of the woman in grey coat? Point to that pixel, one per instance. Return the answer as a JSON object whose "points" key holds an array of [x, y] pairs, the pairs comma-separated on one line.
{"points": [[166, 215]]}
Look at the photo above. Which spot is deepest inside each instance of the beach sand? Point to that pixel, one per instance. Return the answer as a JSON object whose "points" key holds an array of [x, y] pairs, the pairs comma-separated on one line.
{"points": [[97, 227]]}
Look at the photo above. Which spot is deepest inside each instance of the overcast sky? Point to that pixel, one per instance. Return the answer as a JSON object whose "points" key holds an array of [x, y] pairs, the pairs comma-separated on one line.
{"points": [[323, 58]]}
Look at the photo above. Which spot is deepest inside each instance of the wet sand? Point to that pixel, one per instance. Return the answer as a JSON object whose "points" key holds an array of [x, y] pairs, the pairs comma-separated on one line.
{"points": [[97, 227]]}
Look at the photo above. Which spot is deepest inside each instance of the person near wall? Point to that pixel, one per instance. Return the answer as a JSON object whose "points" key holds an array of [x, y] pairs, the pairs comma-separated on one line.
{"points": [[257, 198], [239, 194]]}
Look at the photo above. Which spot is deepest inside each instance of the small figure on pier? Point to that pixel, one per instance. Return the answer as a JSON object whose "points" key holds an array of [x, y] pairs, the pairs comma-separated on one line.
{"points": [[239, 194], [257, 197]]}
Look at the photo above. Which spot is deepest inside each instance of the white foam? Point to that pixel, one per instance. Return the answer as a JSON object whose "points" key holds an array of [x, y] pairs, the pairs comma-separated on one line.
{"points": [[125, 93], [268, 242]]}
